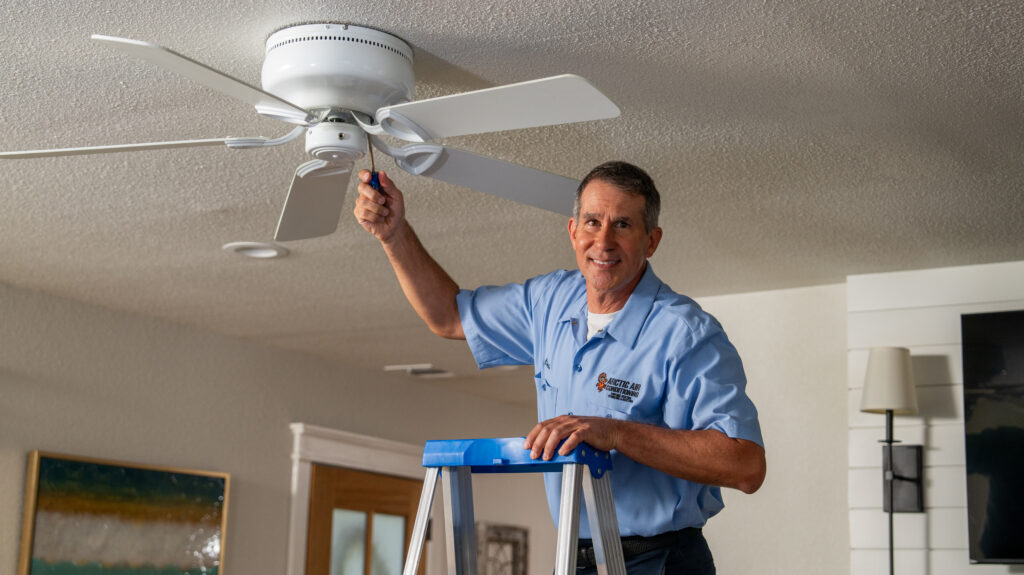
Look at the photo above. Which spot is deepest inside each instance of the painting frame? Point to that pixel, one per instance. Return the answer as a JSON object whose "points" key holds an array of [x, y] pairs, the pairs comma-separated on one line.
{"points": [[129, 501], [502, 549]]}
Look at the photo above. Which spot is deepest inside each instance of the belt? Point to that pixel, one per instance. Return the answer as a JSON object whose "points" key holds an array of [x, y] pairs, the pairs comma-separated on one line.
{"points": [[634, 545]]}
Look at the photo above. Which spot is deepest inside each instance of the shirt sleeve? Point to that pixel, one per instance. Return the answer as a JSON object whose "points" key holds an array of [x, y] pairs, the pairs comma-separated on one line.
{"points": [[498, 324], [707, 389]]}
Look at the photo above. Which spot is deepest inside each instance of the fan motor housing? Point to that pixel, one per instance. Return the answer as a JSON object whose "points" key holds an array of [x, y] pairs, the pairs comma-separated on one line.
{"points": [[335, 142], [316, 66]]}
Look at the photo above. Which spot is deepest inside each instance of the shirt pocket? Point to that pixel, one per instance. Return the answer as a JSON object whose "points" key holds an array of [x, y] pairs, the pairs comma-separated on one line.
{"points": [[547, 398]]}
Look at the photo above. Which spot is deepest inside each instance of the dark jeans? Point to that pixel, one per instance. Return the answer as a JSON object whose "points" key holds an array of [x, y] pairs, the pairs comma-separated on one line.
{"points": [[688, 555]]}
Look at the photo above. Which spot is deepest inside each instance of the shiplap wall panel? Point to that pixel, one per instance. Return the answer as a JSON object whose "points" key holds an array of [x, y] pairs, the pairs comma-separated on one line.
{"points": [[864, 489], [936, 287], [944, 486], [919, 310], [903, 327], [957, 562], [915, 326], [869, 529], [876, 561], [920, 562], [943, 444], [939, 528], [947, 527], [864, 449]]}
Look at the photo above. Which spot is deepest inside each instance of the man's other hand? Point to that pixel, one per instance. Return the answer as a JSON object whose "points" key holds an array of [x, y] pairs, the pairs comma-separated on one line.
{"points": [[598, 432]]}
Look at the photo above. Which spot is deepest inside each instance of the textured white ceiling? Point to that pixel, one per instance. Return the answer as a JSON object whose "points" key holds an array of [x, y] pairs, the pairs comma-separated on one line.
{"points": [[794, 143]]}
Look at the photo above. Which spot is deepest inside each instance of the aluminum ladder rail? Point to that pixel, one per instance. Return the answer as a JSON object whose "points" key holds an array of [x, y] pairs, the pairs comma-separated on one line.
{"points": [[454, 461]]}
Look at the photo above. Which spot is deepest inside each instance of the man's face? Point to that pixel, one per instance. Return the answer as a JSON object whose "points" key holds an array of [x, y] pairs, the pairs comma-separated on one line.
{"points": [[611, 242]]}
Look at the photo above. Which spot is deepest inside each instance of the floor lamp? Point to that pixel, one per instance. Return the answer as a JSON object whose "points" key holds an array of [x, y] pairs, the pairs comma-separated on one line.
{"points": [[889, 389]]}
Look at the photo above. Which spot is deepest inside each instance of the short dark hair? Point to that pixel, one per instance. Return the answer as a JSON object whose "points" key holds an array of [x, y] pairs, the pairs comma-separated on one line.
{"points": [[630, 179]]}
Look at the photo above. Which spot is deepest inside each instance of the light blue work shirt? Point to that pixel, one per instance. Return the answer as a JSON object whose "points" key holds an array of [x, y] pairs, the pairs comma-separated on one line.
{"points": [[661, 361]]}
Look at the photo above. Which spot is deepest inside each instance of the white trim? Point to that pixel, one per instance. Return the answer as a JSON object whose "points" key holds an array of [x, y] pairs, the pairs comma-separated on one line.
{"points": [[312, 444]]}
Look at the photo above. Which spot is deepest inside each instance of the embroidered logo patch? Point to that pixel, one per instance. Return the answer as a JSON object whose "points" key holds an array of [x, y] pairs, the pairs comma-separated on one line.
{"points": [[618, 388]]}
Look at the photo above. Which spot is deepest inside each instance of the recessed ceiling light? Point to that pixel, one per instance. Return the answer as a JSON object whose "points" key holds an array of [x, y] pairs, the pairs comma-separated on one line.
{"points": [[423, 370], [256, 250]]}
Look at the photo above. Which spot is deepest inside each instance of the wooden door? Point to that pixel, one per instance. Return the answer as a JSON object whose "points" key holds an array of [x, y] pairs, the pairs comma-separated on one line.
{"points": [[360, 523]]}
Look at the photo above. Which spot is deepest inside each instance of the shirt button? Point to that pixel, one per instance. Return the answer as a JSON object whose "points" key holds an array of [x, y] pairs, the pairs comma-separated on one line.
{"points": [[579, 368]]}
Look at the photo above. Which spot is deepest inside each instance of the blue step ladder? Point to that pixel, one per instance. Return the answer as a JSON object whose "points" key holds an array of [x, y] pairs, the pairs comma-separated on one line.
{"points": [[454, 461]]}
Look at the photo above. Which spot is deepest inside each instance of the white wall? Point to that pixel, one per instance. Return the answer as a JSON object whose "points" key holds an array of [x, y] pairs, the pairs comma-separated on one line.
{"points": [[85, 380], [919, 310], [793, 344]]}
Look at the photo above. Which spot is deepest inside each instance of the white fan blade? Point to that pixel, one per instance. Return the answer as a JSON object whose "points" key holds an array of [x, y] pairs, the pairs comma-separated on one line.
{"points": [[314, 201], [506, 180], [110, 149], [264, 102], [556, 100]]}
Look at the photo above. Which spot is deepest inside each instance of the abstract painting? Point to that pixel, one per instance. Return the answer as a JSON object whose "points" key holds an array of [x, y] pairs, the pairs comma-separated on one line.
{"points": [[94, 517]]}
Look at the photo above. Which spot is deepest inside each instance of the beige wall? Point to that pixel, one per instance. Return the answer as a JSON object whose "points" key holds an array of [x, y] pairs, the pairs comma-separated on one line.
{"points": [[793, 344], [86, 380]]}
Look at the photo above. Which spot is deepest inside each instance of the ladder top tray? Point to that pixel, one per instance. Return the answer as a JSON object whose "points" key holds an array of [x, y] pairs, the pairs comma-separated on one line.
{"points": [[506, 455]]}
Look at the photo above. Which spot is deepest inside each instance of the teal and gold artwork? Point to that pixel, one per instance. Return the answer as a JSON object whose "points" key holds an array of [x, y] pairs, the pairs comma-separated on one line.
{"points": [[93, 517]]}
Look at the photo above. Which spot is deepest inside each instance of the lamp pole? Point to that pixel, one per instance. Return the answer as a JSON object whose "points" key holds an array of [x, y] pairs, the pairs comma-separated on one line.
{"points": [[889, 476]]}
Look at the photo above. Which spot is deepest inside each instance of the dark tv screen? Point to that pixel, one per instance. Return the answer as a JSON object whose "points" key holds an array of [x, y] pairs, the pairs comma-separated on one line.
{"points": [[993, 355]]}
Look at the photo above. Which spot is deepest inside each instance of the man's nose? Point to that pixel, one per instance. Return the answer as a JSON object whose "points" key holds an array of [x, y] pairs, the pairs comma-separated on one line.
{"points": [[604, 237]]}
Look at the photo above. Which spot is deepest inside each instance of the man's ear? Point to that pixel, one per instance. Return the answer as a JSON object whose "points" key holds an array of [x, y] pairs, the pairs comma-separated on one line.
{"points": [[572, 230], [652, 241]]}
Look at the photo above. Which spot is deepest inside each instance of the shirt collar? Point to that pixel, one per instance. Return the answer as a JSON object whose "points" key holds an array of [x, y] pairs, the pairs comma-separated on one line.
{"points": [[577, 310], [626, 326]]}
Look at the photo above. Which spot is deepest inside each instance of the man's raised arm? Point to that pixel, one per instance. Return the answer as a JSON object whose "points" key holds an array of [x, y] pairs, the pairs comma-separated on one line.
{"points": [[426, 285]]}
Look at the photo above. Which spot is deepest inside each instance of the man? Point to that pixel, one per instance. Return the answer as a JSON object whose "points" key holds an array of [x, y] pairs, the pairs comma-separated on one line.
{"points": [[622, 363]]}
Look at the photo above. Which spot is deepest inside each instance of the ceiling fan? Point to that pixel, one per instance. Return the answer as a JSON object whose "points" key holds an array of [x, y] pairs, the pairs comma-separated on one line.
{"points": [[345, 86]]}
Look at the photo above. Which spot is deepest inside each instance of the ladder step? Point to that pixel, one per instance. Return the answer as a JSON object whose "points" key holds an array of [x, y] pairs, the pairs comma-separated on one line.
{"points": [[506, 455], [460, 458]]}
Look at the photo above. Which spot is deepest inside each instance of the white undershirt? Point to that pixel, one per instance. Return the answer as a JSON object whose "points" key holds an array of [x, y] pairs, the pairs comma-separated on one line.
{"points": [[596, 322]]}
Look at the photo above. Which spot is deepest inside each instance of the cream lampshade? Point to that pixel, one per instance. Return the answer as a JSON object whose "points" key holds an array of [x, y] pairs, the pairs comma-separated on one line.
{"points": [[889, 383]]}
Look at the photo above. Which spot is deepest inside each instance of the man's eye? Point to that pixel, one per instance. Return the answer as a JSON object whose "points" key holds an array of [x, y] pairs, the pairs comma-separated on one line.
{"points": [[622, 224]]}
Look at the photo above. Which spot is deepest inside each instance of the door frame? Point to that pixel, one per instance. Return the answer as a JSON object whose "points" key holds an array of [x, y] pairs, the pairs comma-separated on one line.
{"points": [[313, 444]]}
